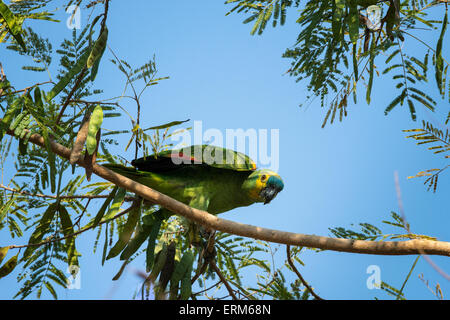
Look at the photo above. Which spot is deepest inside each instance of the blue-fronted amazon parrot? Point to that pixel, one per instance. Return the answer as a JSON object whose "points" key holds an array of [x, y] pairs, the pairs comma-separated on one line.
{"points": [[205, 177]]}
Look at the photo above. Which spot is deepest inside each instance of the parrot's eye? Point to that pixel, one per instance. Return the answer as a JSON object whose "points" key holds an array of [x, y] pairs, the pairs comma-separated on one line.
{"points": [[263, 178]]}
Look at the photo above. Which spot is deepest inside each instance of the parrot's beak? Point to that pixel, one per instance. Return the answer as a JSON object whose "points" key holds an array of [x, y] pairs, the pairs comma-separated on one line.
{"points": [[268, 193]]}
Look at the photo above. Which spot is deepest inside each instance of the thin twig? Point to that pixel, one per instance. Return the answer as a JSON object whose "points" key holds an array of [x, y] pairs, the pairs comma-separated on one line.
{"points": [[27, 88], [214, 285], [71, 93], [288, 253], [223, 279], [105, 15], [83, 196], [406, 226], [135, 98], [51, 240]]}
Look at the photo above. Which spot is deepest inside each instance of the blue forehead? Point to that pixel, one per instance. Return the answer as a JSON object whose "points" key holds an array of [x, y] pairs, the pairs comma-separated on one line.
{"points": [[276, 182]]}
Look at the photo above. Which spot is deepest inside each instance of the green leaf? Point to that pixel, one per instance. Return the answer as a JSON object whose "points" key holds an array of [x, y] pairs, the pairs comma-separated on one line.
{"points": [[41, 229], [167, 125], [117, 203], [126, 233], [51, 158], [14, 24], [52, 291], [355, 63], [119, 273], [38, 99], [395, 102], [258, 22], [105, 245], [439, 59], [141, 235], [104, 206], [338, 13], [150, 256], [371, 70], [76, 69], [67, 227], [412, 110], [5, 208], [353, 20], [10, 114]]}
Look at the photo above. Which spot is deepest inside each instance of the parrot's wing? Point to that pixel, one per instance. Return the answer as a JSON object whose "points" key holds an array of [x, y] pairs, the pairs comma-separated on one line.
{"points": [[163, 162], [194, 155]]}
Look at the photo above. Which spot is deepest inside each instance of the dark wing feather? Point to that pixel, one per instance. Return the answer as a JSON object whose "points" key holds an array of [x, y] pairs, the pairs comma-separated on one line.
{"points": [[171, 160]]}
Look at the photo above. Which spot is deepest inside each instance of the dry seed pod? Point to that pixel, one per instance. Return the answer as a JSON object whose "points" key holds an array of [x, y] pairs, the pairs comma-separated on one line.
{"points": [[80, 140], [89, 159]]}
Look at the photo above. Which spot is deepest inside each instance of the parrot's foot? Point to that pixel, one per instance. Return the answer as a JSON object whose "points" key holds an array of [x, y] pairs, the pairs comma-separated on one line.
{"points": [[208, 252], [205, 233]]}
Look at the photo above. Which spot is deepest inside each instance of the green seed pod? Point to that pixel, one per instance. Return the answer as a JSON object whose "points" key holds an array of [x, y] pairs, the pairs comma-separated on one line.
{"points": [[160, 260], [167, 270], [98, 48], [182, 267], [8, 267], [3, 252], [186, 285], [94, 125]]}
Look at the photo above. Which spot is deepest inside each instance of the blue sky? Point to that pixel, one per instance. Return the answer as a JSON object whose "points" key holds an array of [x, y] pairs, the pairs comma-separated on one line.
{"points": [[228, 79]]}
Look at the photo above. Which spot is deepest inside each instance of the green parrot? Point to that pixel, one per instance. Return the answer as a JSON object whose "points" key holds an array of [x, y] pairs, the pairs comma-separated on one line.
{"points": [[205, 177]]}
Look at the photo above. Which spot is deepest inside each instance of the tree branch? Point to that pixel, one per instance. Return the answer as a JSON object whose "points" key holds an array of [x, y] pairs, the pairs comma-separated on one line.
{"points": [[409, 247]]}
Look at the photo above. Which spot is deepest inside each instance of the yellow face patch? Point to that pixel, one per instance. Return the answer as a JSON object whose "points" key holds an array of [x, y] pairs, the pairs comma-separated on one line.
{"points": [[256, 190], [258, 181]]}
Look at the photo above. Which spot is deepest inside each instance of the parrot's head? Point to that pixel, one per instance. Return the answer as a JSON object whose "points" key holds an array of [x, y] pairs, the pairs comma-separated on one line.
{"points": [[263, 185]]}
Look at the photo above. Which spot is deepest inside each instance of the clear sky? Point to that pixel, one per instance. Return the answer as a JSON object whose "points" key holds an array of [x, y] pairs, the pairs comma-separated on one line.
{"points": [[228, 79]]}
